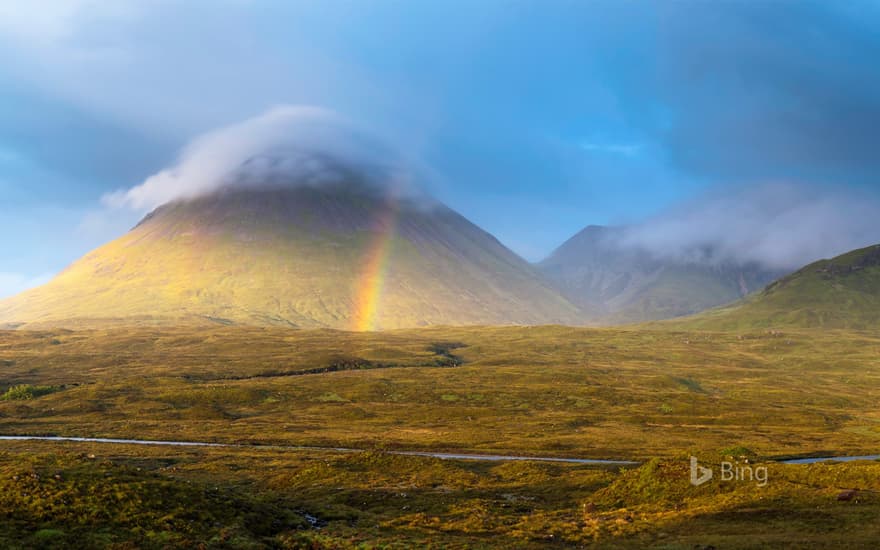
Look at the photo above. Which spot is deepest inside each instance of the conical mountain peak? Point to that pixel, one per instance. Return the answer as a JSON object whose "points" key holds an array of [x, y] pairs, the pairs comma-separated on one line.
{"points": [[344, 253]]}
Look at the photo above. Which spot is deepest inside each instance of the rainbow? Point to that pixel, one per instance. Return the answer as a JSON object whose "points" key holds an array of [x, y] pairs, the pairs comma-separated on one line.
{"points": [[371, 282]]}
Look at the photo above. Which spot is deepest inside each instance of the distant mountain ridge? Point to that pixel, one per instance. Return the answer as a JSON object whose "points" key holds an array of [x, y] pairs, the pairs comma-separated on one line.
{"points": [[838, 293], [615, 282]]}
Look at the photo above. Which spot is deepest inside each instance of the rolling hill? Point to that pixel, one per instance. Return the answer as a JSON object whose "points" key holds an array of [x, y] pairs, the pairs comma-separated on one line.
{"points": [[840, 293], [342, 254], [618, 283]]}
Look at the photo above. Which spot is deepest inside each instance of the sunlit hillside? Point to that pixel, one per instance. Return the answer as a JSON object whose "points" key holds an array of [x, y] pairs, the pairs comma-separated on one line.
{"points": [[843, 292], [343, 256]]}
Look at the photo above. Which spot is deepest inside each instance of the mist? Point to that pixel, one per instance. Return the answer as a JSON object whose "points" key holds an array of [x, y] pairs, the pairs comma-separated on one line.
{"points": [[781, 226], [778, 225], [285, 146]]}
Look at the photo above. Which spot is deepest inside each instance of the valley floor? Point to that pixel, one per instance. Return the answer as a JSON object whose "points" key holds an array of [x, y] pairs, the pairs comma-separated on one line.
{"points": [[655, 396]]}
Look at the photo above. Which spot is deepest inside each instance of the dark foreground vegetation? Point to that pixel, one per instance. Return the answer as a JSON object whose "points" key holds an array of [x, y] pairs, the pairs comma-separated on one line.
{"points": [[76, 495]]}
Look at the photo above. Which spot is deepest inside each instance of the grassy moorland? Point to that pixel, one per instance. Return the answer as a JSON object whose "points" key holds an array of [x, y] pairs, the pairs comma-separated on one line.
{"points": [[603, 393], [653, 395], [78, 495]]}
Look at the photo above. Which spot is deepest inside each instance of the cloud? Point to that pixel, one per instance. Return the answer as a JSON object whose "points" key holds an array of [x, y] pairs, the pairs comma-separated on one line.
{"points": [[13, 283], [769, 90], [287, 145], [625, 149], [779, 226], [169, 69], [54, 21]]}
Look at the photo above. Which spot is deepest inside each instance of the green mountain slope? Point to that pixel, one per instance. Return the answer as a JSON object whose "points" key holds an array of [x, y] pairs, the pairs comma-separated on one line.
{"points": [[623, 284], [340, 255], [841, 293]]}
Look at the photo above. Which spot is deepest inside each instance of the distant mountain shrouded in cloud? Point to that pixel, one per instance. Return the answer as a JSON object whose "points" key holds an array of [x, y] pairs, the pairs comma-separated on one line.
{"points": [[780, 226], [713, 250], [617, 282]]}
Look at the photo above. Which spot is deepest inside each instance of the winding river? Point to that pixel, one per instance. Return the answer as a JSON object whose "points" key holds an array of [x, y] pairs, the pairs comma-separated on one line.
{"points": [[447, 456]]}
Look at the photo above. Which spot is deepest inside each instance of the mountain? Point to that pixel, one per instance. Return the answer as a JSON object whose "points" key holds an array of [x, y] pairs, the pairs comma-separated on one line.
{"points": [[620, 283], [840, 293], [344, 254]]}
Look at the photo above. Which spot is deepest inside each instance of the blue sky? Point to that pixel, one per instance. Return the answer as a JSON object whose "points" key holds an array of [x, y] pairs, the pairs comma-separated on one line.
{"points": [[538, 118]]}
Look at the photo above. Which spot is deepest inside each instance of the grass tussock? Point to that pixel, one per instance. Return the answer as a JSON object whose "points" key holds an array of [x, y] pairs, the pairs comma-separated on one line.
{"points": [[23, 392]]}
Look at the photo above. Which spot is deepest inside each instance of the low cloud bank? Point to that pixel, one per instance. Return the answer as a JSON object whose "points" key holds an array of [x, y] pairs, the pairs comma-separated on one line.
{"points": [[287, 145], [779, 226]]}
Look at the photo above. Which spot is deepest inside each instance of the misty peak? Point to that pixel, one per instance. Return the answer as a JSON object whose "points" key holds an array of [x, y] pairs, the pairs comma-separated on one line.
{"points": [[286, 146], [296, 167]]}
